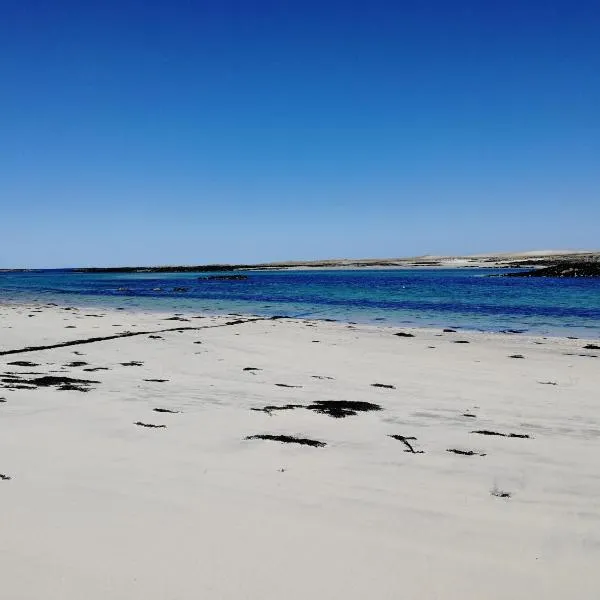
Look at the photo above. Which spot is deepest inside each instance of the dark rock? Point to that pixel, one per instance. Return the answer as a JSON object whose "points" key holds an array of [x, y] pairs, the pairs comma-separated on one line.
{"points": [[461, 342], [132, 363], [591, 347], [4, 477], [383, 385], [564, 269], [404, 334], [165, 410], [448, 330], [157, 380], [516, 356], [76, 363], [150, 425]]}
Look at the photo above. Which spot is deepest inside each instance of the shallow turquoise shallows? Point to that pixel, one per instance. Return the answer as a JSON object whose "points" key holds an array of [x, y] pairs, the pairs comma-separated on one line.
{"points": [[460, 298]]}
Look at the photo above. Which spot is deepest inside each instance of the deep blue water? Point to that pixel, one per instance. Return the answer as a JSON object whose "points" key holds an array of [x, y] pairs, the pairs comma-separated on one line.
{"points": [[466, 298]]}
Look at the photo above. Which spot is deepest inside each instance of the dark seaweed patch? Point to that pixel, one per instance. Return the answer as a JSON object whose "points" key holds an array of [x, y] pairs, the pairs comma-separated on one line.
{"points": [[61, 383], [507, 435], [462, 342], [251, 369], [133, 363], [383, 385], [406, 441], [591, 347], [23, 363], [76, 363], [150, 425], [404, 334], [288, 439], [516, 356], [125, 334], [338, 409], [165, 410], [269, 409], [4, 477], [157, 380], [464, 452], [285, 385]]}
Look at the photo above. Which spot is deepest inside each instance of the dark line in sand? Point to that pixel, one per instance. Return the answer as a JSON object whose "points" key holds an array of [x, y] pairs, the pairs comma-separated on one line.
{"points": [[125, 335]]}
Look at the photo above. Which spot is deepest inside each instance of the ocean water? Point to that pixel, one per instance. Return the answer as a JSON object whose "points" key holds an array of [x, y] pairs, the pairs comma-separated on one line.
{"points": [[460, 298]]}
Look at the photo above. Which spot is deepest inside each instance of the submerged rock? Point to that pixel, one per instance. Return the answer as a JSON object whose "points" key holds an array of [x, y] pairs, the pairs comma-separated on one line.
{"points": [[224, 278]]}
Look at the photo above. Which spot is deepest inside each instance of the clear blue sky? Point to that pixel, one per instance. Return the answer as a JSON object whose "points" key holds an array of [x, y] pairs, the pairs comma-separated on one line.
{"points": [[186, 132]]}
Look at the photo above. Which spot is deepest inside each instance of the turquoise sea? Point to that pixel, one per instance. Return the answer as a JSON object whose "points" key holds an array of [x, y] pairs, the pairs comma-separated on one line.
{"points": [[461, 298]]}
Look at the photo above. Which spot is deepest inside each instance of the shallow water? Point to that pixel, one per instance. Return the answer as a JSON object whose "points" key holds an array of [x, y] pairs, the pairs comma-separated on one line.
{"points": [[462, 298]]}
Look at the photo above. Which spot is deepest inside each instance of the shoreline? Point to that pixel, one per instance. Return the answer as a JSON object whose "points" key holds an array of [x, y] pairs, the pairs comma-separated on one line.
{"points": [[521, 332]]}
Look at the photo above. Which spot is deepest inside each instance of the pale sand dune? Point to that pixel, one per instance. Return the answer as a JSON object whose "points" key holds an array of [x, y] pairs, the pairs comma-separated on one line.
{"points": [[100, 508]]}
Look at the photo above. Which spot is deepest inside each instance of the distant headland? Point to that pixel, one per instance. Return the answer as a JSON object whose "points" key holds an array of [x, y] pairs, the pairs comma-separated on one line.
{"points": [[533, 259], [576, 263]]}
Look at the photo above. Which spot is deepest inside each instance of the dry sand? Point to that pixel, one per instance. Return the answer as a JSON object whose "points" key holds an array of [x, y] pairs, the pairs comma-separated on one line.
{"points": [[98, 507]]}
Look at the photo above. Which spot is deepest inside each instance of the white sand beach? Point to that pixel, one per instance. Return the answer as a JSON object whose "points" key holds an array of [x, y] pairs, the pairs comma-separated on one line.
{"points": [[96, 504]]}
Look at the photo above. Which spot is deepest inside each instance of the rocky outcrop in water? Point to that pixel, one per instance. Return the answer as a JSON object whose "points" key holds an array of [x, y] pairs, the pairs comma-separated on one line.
{"points": [[564, 270]]}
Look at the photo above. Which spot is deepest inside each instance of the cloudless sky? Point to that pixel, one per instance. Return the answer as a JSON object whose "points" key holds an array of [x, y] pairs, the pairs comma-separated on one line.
{"points": [[185, 132]]}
